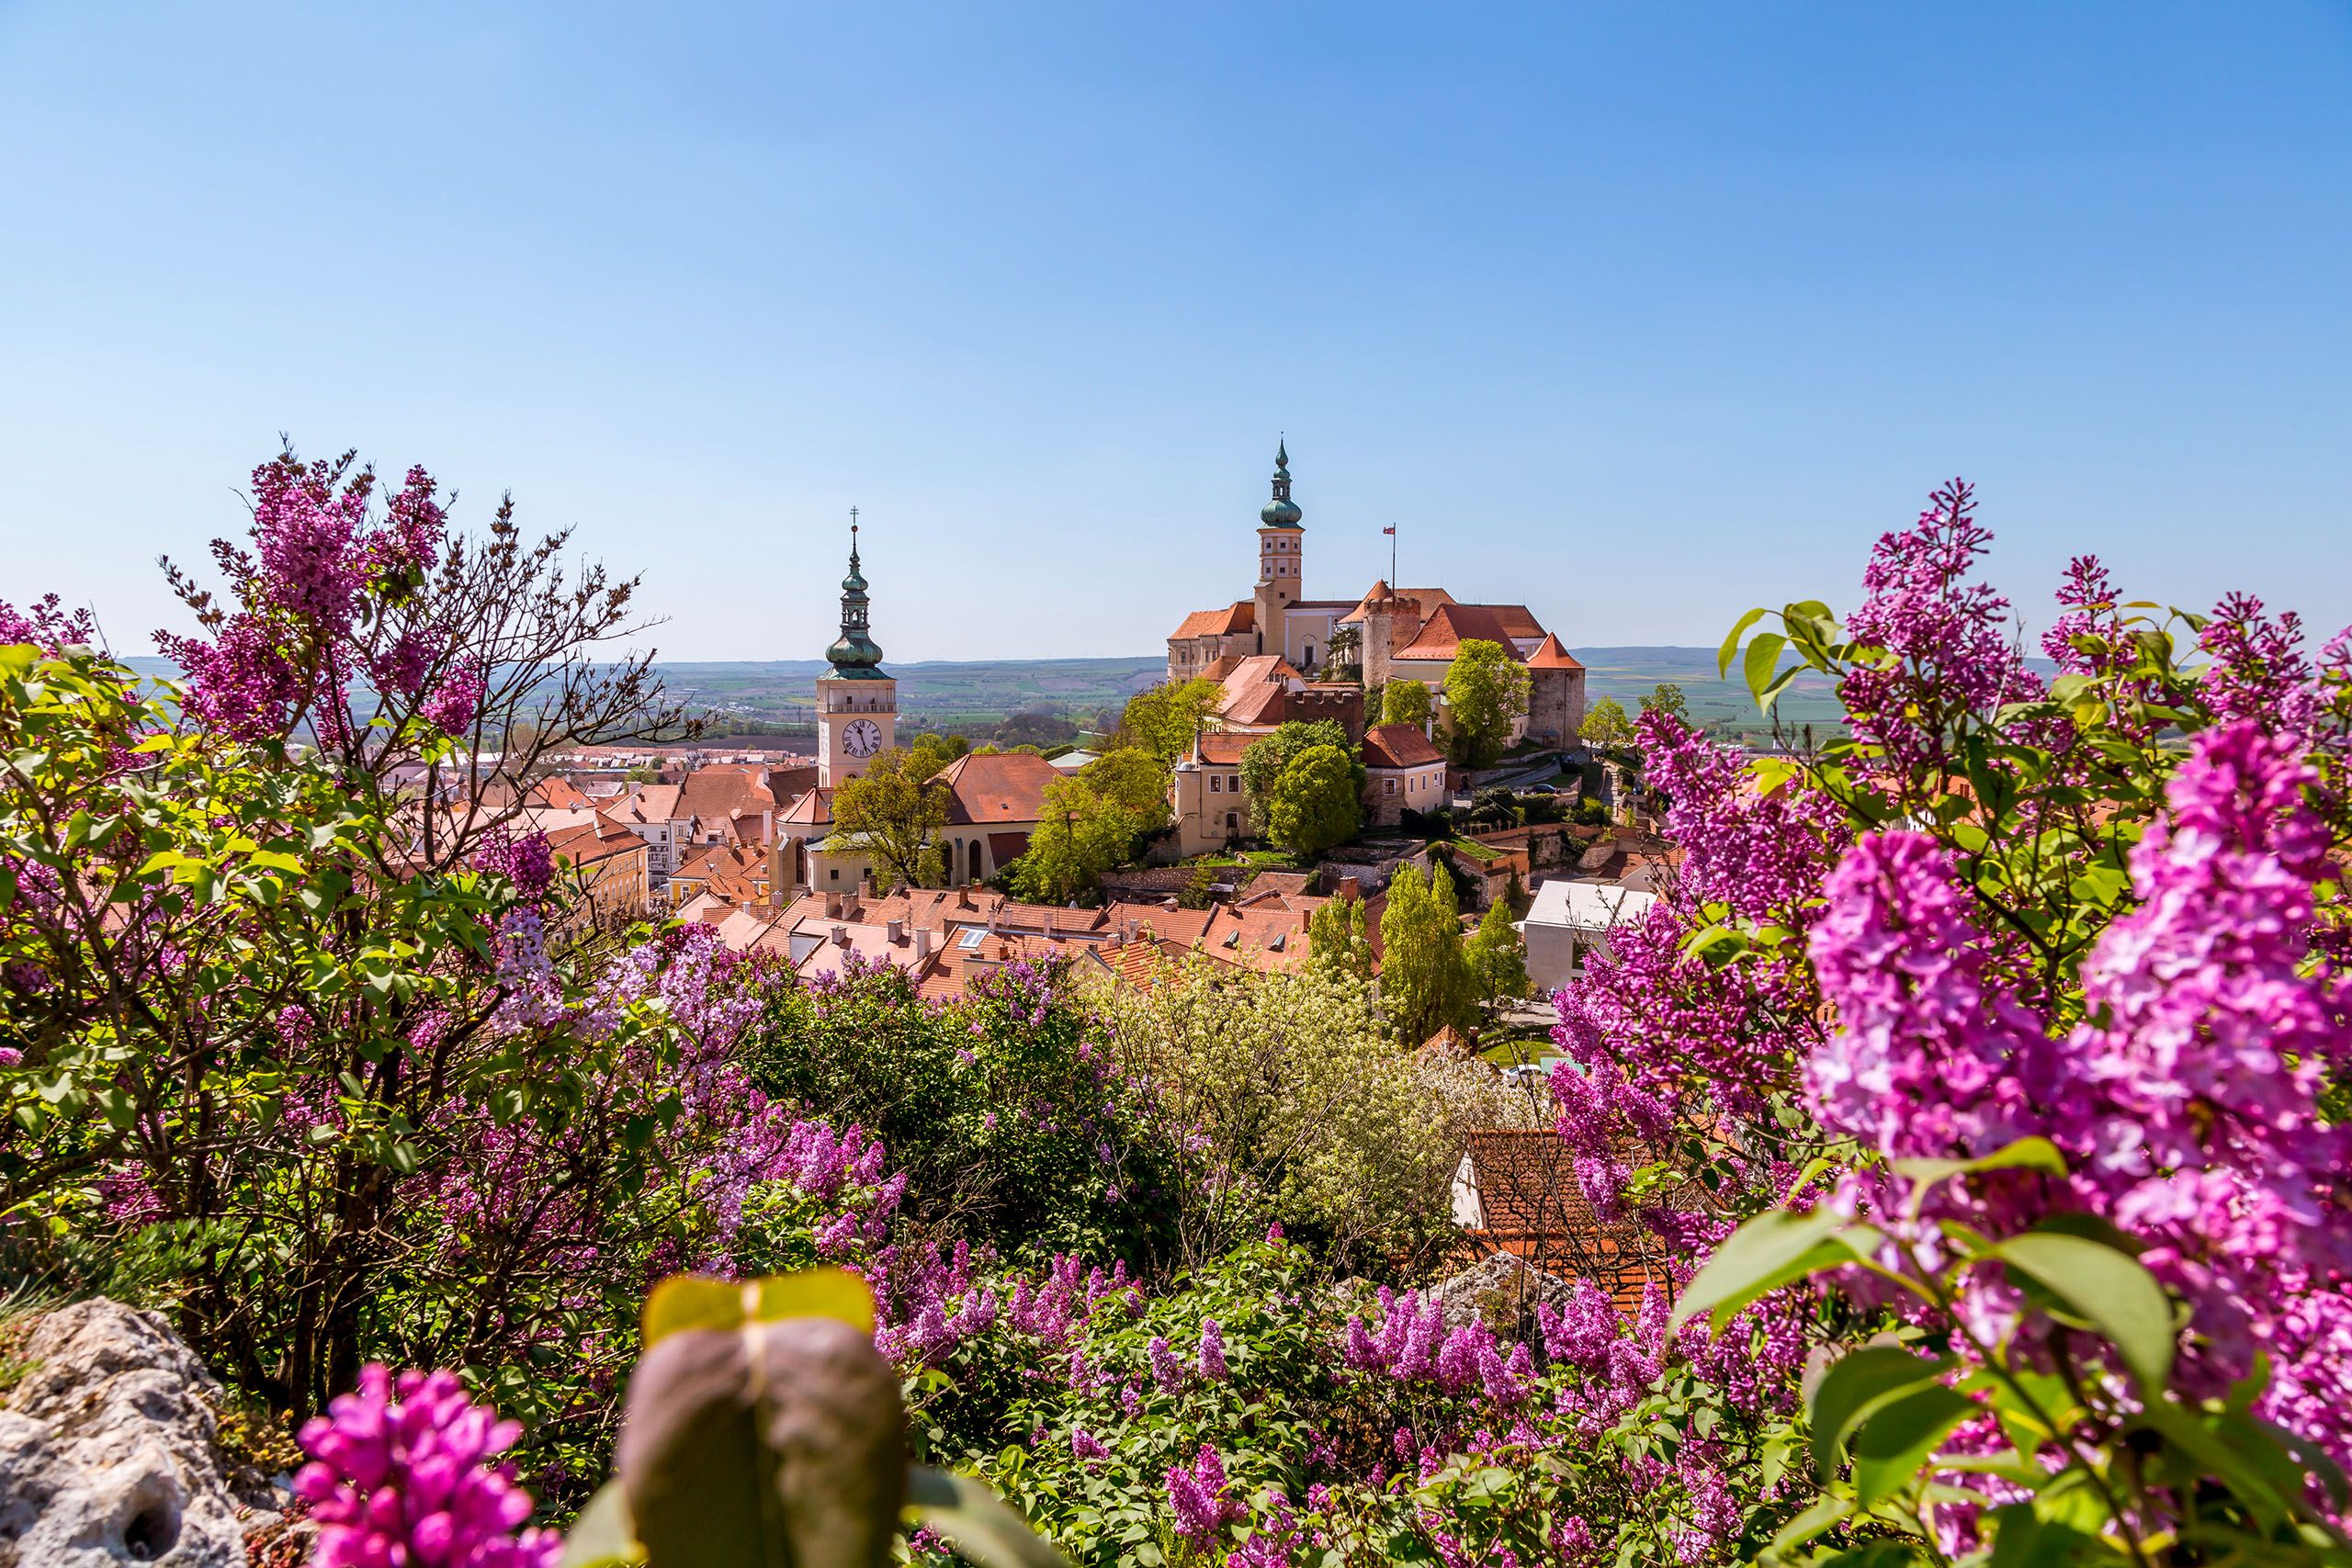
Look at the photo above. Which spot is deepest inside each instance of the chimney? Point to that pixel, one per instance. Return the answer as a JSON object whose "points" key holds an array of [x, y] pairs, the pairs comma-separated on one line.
{"points": [[1351, 887], [922, 941], [833, 906], [840, 936], [964, 897], [896, 930]]}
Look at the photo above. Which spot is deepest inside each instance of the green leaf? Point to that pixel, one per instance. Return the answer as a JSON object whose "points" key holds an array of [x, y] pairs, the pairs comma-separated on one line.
{"points": [[1764, 1254], [1823, 1513], [1763, 658], [2026, 1153], [975, 1521], [1898, 1437], [603, 1535], [1856, 1384], [2106, 1289], [1731, 644]]}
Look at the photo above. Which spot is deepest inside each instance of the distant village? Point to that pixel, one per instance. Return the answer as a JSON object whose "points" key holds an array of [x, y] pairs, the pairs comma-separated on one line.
{"points": [[746, 840]]}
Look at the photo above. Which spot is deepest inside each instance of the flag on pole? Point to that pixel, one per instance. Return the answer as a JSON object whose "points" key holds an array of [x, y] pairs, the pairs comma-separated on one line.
{"points": [[1390, 530]]}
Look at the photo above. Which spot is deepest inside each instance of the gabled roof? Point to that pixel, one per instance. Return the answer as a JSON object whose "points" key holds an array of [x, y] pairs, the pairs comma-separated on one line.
{"points": [[1004, 786], [1443, 634], [1550, 655], [1398, 746], [1240, 616], [813, 809], [1222, 750], [722, 790], [1251, 677], [652, 803], [593, 842]]}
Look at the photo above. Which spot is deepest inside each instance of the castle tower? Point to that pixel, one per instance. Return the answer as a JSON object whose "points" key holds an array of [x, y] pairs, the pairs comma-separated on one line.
{"points": [[857, 703], [1281, 558]]}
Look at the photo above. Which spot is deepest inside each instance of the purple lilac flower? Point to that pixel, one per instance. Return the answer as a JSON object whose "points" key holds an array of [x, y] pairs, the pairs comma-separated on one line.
{"points": [[401, 1474]]}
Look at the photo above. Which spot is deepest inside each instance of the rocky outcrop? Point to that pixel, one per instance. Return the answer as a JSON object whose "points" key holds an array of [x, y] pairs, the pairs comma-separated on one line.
{"points": [[107, 1449], [1501, 1292]]}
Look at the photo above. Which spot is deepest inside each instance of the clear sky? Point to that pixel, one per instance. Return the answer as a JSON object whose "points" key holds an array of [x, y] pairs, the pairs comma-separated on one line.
{"points": [[1636, 313]]}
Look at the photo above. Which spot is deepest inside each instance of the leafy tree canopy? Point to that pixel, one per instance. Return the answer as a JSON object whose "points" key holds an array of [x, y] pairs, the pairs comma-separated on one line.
{"points": [[1486, 692], [1317, 801], [898, 809], [1404, 702]]}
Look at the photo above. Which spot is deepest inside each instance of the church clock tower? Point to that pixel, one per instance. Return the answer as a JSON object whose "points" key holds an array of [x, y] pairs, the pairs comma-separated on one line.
{"points": [[857, 705]]}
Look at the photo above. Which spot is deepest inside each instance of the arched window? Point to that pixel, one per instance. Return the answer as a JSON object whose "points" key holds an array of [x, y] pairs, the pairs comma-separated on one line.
{"points": [[1310, 653], [799, 862], [976, 860]]}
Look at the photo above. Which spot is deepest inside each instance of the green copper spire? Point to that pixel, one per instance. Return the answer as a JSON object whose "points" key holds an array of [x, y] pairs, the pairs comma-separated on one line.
{"points": [[854, 654], [1281, 512]]}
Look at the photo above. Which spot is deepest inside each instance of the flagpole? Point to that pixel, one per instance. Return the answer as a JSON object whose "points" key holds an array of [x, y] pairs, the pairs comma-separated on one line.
{"points": [[1391, 555]]}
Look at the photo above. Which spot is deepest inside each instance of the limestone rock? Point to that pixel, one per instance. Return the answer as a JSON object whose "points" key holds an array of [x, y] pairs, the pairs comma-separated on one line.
{"points": [[1501, 1292], [108, 1451]]}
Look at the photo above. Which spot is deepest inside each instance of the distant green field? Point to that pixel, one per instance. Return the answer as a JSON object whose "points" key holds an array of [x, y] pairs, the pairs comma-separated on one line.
{"points": [[1628, 674], [980, 695]]}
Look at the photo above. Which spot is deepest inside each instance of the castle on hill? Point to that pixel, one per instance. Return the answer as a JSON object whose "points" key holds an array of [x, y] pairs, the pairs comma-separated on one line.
{"points": [[1270, 648]]}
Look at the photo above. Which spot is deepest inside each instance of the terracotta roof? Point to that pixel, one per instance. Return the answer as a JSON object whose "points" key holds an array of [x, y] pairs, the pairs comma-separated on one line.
{"points": [[1398, 746], [653, 803], [1530, 1203], [593, 842], [1224, 750], [1451, 1041], [1443, 634], [1273, 703], [1240, 616], [736, 872], [1550, 655], [1253, 673], [558, 793], [1005, 786], [813, 809], [722, 790]]}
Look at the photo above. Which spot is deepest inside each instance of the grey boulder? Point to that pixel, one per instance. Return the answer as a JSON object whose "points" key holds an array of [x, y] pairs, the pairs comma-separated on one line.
{"points": [[107, 1449]]}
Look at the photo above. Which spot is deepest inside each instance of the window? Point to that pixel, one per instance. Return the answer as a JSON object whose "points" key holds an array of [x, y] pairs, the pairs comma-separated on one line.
{"points": [[1216, 783], [1389, 786]]}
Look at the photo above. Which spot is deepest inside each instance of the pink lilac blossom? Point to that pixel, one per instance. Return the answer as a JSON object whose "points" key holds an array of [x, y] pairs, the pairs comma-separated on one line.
{"points": [[402, 1473], [1196, 1494], [1212, 1353]]}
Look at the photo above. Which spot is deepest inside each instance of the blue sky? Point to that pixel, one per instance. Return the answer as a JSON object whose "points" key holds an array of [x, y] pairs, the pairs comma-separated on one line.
{"points": [[1639, 314]]}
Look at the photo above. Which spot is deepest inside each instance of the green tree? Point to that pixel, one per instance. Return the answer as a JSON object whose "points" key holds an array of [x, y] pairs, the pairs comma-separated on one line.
{"points": [[1338, 942], [1425, 979], [1136, 781], [1079, 835], [1317, 802], [1605, 725], [1299, 1112], [897, 810], [1485, 692], [1164, 719], [1497, 958], [1666, 697], [929, 753], [1266, 757], [1404, 702]]}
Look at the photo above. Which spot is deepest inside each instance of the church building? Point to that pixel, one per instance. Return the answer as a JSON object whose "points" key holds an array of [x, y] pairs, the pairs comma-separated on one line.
{"points": [[993, 800]]}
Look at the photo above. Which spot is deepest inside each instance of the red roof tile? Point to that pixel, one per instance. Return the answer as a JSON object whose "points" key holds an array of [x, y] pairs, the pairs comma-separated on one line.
{"points": [[1398, 746], [1004, 786], [1550, 655]]}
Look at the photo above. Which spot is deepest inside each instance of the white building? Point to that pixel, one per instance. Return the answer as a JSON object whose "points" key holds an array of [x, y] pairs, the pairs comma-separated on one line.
{"points": [[1571, 919]]}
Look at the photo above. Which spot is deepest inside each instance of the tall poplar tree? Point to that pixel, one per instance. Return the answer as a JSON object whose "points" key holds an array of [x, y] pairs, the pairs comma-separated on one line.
{"points": [[1425, 979]]}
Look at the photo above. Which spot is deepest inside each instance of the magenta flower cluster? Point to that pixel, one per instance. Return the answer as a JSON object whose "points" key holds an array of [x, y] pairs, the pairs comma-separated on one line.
{"points": [[405, 1475]]}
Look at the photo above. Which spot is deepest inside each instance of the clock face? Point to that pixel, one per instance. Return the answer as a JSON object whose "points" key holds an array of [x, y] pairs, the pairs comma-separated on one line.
{"points": [[861, 738]]}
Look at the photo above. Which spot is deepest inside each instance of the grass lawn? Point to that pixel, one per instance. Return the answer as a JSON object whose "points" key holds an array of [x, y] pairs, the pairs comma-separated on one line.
{"points": [[1259, 859], [1513, 1052], [1474, 850]]}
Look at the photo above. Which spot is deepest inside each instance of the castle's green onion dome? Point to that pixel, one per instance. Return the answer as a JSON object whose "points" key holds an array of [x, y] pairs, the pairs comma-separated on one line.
{"points": [[1281, 512], [854, 654]]}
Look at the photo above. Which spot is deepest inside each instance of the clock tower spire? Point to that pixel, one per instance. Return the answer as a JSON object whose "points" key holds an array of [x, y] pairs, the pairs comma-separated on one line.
{"points": [[857, 703]]}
